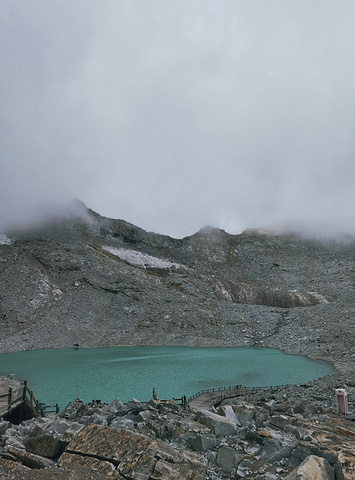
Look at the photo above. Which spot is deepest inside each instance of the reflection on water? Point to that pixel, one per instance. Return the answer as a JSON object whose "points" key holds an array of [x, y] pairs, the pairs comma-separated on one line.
{"points": [[59, 376]]}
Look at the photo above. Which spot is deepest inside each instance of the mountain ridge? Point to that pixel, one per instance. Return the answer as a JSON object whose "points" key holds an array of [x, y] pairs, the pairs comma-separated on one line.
{"points": [[96, 281]]}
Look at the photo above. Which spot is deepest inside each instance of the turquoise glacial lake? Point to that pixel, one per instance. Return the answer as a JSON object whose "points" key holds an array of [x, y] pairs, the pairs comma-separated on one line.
{"points": [[59, 376]]}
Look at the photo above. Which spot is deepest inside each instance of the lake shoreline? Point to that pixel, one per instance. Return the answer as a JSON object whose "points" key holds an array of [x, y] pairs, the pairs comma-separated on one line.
{"points": [[128, 372]]}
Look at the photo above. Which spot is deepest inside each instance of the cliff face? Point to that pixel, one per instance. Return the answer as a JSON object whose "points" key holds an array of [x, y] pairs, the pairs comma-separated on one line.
{"points": [[95, 281]]}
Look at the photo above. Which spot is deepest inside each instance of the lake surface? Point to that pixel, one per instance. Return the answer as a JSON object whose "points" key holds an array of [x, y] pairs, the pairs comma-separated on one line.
{"points": [[59, 376]]}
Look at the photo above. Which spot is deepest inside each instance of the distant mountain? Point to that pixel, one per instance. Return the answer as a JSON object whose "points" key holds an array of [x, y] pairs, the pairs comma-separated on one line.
{"points": [[82, 278]]}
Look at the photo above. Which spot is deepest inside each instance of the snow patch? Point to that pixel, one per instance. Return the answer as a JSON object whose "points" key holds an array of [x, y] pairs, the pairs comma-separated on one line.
{"points": [[4, 240], [142, 260]]}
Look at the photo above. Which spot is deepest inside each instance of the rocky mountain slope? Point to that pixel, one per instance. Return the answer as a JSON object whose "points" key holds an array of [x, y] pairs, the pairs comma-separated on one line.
{"points": [[95, 281]]}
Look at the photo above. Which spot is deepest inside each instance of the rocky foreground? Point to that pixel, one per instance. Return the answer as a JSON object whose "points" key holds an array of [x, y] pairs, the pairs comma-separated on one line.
{"points": [[289, 433]]}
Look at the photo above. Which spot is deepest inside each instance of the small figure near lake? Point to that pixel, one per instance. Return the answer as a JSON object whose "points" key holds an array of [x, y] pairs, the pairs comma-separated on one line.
{"points": [[155, 396]]}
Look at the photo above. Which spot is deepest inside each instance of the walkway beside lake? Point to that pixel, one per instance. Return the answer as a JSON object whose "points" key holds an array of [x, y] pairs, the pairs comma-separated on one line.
{"points": [[212, 398], [5, 384]]}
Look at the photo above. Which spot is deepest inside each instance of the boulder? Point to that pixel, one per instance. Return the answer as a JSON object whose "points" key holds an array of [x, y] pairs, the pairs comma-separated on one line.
{"points": [[136, 456], [117, 408], [35, 427], [187, 426], [15, 442], [29, 459], [161, 428], [279, 421], [145, 415], [298, 431], [97, 419], [228, 412], [270, 406], [70, 433], [245, 414], [202, 443], [73, 410], [228, 458], [299, 454], [221, 426], [299, 408], [121, 422], [44, 445], [312, 468], [136, 406], [94, 464], [168, 406], [250, 433], [177, 465], [58, 426], [4, 425], [243, 469], [10, 469], [272, 451], [7, 456]]}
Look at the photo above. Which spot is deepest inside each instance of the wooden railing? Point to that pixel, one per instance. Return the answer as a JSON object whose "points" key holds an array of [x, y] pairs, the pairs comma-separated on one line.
{"points": [[223, 390], [27, 396]]}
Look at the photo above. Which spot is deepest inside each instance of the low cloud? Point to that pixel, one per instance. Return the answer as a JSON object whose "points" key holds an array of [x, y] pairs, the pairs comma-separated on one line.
{"points": [[173, 116]]}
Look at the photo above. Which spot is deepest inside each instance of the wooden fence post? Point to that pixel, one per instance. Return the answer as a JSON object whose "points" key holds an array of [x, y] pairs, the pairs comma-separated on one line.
{"points": [[9, 400], [24, 390]]}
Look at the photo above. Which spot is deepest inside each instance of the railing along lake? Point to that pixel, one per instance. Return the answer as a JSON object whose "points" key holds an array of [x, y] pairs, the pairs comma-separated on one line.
{"points": [[223, 391], [23, 394]]}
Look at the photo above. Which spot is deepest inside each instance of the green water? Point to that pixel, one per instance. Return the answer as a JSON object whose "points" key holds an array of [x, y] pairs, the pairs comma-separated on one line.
{"points": [[59, 376]]}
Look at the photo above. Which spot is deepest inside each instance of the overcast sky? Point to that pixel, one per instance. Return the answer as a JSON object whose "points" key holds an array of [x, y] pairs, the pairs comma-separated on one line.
{"points": [[177, 114]]}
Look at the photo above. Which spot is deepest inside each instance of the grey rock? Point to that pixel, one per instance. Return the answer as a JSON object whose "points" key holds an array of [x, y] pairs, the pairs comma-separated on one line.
{"points": [[279, 421], [162, 428], [250, 434], [70, 433], [15, 442], [228, 412], [299, 432], [211, 456], [272, 451], [221, 426], [245, 414], [312, 468], [270, 406], [245, 463], [95, 419], [116, 407], [298, 455], [299, 408], [145, 416], [44, 445], [29, 459], [136, 406], [202, 443], [124, 423], [139, 457], [4, 425], [228, 458], [57, 426], [73, 410], [36, 428]]}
